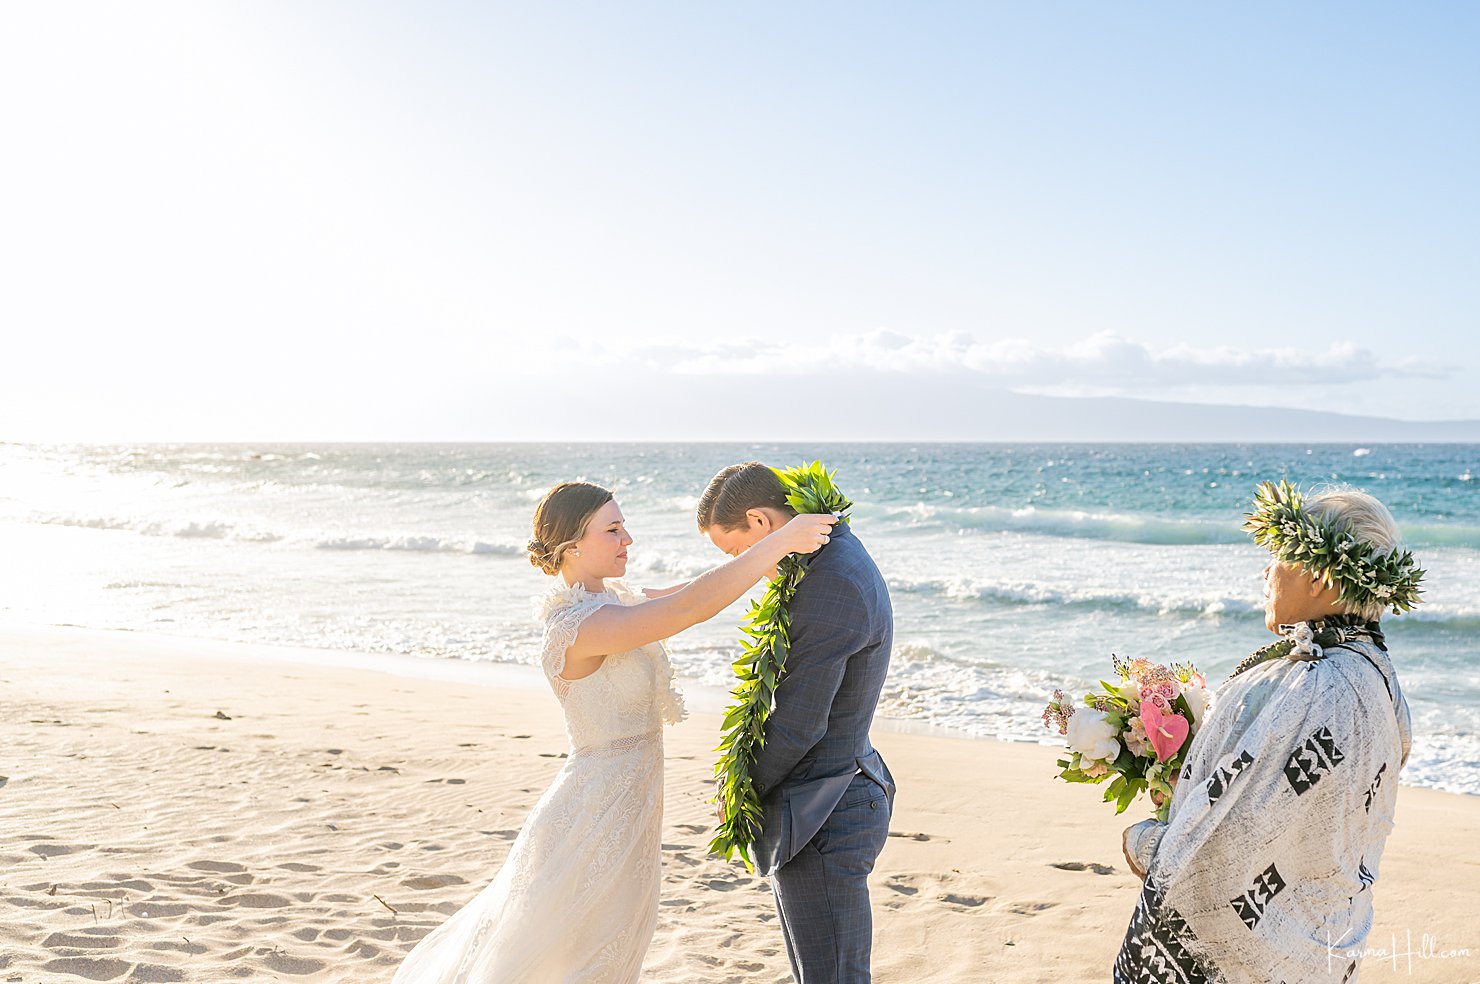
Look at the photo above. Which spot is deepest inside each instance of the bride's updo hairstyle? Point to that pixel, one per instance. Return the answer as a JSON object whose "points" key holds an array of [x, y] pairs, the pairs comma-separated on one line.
{"points": [[560, 521]]}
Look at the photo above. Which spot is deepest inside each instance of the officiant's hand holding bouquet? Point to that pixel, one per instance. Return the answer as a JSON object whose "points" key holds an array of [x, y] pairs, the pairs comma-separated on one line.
{"points": [[1133, 734]]}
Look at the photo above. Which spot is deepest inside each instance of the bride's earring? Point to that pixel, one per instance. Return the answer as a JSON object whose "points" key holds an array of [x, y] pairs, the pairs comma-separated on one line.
{"points": [[576, 552]]}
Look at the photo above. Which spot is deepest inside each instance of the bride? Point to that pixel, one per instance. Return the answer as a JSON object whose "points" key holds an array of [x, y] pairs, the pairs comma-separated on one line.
{"points": [[577, 898]]}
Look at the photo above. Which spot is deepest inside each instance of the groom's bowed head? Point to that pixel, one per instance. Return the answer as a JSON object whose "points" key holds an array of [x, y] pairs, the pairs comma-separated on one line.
{"points": [[742, 505]]}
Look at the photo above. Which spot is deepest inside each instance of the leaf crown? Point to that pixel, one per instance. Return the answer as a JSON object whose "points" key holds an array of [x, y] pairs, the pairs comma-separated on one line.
{"points": [[1366, 577]]}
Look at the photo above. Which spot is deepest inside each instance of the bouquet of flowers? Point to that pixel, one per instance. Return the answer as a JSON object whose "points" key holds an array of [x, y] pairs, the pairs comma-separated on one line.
{"points": [[1134, 733]]}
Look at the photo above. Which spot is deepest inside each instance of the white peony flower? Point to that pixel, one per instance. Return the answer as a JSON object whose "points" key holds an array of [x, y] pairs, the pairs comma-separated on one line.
{"points": [[1199, 699], [1092, 735], [1131, 690]]}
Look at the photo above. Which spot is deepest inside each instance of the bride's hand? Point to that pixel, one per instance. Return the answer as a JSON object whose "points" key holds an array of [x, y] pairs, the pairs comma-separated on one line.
{"points": [[806, 533]]}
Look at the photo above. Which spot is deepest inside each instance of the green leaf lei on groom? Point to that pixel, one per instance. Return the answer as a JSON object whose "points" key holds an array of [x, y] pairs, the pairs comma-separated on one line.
{"points": [[767, 642]]}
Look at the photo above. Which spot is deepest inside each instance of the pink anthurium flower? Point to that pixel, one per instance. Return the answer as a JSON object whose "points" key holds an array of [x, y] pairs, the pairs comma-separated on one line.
{"points": [[1166, 730]]}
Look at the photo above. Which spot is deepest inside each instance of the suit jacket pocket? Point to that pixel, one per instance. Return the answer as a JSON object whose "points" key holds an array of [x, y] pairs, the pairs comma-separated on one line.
{"points": [[807, 807], [872, 765]]}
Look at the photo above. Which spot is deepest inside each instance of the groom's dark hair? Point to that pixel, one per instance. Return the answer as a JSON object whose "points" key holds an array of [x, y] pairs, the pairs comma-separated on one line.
{"points": [[738, 489]]}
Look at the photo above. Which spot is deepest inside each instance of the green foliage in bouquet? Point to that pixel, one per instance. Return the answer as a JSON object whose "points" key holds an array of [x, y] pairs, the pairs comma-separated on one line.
{"points": [[766, 643], [1129, 773]]}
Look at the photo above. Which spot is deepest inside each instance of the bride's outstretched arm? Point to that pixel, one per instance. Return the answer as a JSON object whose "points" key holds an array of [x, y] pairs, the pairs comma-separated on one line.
{"points": [[652, 594], [616, 629]]}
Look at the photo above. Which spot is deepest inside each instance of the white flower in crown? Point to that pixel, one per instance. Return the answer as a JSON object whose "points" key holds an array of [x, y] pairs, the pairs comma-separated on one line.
{"points": [[1091, 734]]}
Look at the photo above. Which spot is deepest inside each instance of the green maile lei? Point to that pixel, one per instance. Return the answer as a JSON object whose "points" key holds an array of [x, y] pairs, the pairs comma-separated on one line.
{"points": [[766, 642], [1327, 550]]}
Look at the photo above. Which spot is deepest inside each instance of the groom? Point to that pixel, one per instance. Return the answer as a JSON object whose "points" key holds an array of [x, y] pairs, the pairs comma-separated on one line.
{"points": [[826, 794]]}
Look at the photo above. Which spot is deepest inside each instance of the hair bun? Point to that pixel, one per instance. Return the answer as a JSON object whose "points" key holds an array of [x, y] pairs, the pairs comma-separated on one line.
{"points": [[539, 554]]}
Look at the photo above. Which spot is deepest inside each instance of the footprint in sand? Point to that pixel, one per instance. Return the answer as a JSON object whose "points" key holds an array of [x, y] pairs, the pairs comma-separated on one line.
{"points": [[909, 835], [221, 867], [1099, 869], [90, 968], [299, 866], [425, 882], [120, 882], [1030, 908], [966, 901], [157, 910], [55, 850], [285, 963], [256, 900], [81, 942]]}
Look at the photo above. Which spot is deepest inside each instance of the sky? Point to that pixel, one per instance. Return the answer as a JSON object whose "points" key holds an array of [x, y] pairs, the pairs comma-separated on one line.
{"points": [[449, 221]]}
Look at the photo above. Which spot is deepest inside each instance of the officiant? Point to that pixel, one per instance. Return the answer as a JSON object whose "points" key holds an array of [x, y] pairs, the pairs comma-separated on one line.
{"points": [[1264, 868]]}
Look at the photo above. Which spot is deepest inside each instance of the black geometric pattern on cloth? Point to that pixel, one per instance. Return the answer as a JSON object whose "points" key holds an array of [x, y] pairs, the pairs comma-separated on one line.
{"points": [[1155, 947], [1372, 789], [1318, 756], [1224, 775], [1365, 875], [1251, 905]]}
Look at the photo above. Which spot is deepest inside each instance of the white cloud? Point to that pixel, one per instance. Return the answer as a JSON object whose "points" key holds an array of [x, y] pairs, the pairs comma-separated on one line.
{"points": [[1102, 364]]}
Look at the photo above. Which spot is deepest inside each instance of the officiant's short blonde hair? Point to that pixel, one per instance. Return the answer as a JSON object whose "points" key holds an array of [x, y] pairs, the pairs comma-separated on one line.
{"points": [[1366, 519], [738, 489]]}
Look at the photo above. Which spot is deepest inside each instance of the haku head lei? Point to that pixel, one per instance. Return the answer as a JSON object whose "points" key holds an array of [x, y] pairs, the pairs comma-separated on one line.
{"points": [[1327, 549]]}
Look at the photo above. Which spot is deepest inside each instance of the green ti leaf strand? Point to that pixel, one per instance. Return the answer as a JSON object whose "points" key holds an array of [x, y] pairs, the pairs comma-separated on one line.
{"points": [[765, 644]]}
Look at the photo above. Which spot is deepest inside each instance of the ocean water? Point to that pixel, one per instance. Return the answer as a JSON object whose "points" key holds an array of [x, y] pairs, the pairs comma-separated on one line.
{"points": [[1014, 568]]}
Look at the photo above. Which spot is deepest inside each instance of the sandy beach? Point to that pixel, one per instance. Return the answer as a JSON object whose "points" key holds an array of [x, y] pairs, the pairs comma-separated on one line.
{"points": [[180, 810]]}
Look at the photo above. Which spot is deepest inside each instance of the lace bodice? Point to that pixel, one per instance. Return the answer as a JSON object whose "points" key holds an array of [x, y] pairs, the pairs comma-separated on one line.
{"points": [[632, 694]]}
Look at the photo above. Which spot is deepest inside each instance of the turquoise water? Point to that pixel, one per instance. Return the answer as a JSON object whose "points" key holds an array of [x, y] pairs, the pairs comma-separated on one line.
{"points": [[1014, 568]]}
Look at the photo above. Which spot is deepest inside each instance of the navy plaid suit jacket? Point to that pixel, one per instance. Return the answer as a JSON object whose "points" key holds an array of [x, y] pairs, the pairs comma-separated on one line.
{"points": [[842, 628]]}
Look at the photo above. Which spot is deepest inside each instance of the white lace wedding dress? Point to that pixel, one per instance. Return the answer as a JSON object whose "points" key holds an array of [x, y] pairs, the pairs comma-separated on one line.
{"points": [[577, 898]]}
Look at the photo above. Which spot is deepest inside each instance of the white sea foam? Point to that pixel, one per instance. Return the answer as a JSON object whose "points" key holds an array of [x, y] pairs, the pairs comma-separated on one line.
{"points": [[1074, 523], [419, 544]]}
